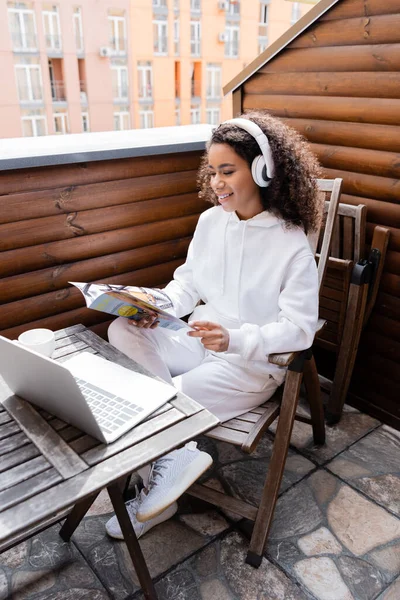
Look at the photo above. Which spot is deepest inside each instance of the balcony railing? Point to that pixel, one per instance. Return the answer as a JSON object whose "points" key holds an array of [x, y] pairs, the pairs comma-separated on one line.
{"points": [[83, 91], [161, 45], [120, 93], [58, 91], [145, 92], [53, 43], [195, 89], [118, 46], [24, 43]]}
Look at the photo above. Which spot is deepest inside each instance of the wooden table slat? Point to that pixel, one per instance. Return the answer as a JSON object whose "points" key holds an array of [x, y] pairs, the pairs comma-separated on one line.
{"points": [[4, 417], [22, 472], [61, 333], [84, 443], [57, 452], [18, 494], [18, 518], [66, 357], [18, 456], [13, 442], [135, 435], [69, 349], [8, 429]]}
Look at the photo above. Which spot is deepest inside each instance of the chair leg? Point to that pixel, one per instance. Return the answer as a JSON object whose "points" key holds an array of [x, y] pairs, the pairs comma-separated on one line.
{"points": [[313, 388], [132, 543], [273, 480], [75, 517]]}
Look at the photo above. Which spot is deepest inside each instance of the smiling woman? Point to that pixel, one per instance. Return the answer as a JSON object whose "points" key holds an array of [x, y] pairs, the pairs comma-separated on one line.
{"points": [[250, 265]]}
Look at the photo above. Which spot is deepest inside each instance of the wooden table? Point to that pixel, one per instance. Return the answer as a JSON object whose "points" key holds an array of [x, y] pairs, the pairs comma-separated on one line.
{"points": [[49, 469]]}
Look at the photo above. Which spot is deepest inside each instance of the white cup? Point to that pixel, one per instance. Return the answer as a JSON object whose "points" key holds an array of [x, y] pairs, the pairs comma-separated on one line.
{"points": [[39, 340]]}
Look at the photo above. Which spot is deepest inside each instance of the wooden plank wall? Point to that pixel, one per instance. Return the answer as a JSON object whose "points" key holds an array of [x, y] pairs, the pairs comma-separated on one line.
{"points": [[339, 84], [126, 221]]}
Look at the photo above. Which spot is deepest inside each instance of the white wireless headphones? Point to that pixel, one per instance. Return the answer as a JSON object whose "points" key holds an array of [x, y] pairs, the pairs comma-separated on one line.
{"points": [[262, 168]]}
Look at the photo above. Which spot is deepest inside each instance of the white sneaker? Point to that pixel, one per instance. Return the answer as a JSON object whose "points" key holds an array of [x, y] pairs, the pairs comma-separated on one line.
{"points": [[114, 530], [170, 476]]}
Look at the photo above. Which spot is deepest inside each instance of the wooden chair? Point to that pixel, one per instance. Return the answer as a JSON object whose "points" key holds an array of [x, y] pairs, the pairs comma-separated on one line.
{"points": [[347, 297], [246, 430]]}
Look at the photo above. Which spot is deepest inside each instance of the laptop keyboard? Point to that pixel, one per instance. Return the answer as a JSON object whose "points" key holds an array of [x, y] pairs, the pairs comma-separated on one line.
{"points": [[110, 411]]}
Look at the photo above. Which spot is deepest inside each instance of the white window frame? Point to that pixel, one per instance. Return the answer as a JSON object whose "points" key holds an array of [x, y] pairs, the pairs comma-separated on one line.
{"points": [[145, 86], [119, 70], [176, 37], [146, 118], [50, 34], [213, 81], [85, 115], [124, 118], [233, 7], [296, 13], [21, 12], [160, 42], [78, 28], [195, 40], [213, 115], [34, 121], [230, 31], [117, 44], [64, 123], [195, 5], [159, 3], [195, 115], [28, 69]]}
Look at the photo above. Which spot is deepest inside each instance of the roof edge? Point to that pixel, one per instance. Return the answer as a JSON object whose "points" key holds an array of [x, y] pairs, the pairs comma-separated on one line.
{"points": [[292, 33]]}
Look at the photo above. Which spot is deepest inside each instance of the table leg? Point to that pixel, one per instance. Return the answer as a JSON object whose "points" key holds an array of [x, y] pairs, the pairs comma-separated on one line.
{"points": [[75, 517], [132, 543]]}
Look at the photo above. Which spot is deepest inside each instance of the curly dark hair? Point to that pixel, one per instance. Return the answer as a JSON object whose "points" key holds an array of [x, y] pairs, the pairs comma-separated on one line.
{"points": [[292, 193]]}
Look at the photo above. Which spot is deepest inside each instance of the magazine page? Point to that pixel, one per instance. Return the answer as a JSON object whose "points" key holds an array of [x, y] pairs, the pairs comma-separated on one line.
{"points": [[130, 302]]}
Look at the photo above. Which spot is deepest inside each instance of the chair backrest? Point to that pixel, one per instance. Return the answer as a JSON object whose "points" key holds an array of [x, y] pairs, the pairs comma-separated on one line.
{"points": [[348, 237], [321, 241]]}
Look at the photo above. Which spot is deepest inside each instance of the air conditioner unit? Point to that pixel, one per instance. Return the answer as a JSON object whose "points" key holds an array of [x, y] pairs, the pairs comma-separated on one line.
{"points": [[223, 5], [104, 51], [222, 37]]}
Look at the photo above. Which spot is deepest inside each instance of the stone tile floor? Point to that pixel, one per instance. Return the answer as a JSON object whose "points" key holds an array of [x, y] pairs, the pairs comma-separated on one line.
{"points": [[335, 536]]}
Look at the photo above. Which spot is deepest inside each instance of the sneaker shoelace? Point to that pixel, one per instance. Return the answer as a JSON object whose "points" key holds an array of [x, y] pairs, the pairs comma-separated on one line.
{"points": [[133, 505], [158, 469]]}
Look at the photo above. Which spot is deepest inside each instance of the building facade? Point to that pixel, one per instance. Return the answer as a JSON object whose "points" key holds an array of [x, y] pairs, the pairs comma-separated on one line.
{"points": [[101, 65]]}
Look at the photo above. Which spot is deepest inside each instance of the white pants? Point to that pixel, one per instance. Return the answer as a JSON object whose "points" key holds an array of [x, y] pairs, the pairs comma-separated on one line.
{"points": [[225, 389]]}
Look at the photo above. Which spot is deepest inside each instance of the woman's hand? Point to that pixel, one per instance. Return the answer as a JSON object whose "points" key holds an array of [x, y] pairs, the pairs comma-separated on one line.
{"points": [[213, 336], [146, 322]]}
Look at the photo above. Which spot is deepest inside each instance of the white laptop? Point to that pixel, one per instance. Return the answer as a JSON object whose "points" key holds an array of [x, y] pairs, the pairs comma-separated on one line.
{"points": [[88, 391]]}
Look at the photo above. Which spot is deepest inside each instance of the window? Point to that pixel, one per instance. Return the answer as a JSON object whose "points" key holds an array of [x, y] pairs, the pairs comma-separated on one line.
{"points": [[213, 116], [295, 13], [195, 34], [61, 122], [213, 81], [51, 26], [176, 37], [23, 29], [232, 41], [117, 34], [78, 29], [122, 120], [145, 80], [146, 118], [263, 24], [29, 82], [195, 115], [195, 5], [160, 39], [33, 126], [159, 3], [119, 82], [85, 122], [177, 116], [233, 7]]}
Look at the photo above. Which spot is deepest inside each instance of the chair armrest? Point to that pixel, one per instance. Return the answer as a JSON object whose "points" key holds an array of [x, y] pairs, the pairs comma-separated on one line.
{"points": [[284, 359]]}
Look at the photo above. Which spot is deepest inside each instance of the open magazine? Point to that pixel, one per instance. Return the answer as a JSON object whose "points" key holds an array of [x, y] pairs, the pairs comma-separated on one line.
{"points": [[130, 302]]}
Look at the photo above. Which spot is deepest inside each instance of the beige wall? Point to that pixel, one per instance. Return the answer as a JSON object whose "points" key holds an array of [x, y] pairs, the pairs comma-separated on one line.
{"points": [[139, 28]]}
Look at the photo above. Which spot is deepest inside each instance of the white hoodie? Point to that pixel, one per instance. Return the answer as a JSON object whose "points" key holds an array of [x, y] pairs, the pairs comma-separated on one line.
{"points": [[256, 278]]}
